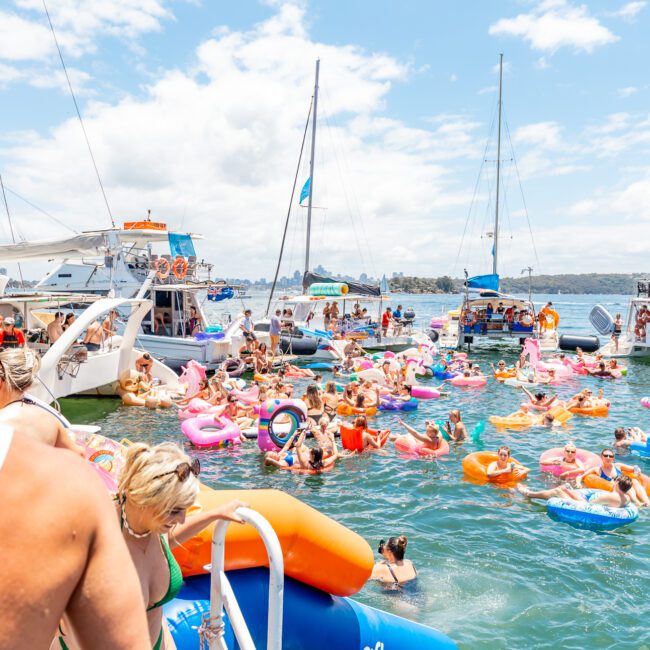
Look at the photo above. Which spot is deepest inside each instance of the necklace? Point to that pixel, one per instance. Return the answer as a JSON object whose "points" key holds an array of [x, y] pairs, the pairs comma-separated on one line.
{"points": [[126, 525]]}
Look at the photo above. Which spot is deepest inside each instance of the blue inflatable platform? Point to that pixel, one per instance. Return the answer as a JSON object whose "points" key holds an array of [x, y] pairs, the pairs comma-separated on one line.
{"points": [[312, 619]]}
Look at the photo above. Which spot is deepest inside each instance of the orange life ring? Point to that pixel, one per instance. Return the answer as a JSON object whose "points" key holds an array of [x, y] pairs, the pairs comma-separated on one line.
{"points": [[469, 318], [179, 268], [163, 267], [525, 319]]}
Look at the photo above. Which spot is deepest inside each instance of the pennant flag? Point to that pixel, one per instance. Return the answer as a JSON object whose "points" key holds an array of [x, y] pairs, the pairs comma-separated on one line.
{"points": [[305, 190]]}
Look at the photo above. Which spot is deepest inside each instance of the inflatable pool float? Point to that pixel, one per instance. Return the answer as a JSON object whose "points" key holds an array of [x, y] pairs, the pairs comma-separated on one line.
{"points": [[345, 409], [409, 445], [424, 392], [440, 373], [513, 421], [597, 483], [249, 396], [640, 448], [599, 409], [645, 401], [475, 381], [104, 454], [587, 515], [587, 458], [351, 437], [211, 432], [272, 434], [508, 373], [392, 404], [513, 382], [233, 367], [475, 467]]}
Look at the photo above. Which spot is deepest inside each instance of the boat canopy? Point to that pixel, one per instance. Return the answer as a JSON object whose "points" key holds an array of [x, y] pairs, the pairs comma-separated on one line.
{"points": [[358, 288], [84, 244]]}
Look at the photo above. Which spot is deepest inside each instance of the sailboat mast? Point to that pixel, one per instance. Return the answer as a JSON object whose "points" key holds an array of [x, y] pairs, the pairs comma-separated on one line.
{"points": [[311, 166], [495, 247]]}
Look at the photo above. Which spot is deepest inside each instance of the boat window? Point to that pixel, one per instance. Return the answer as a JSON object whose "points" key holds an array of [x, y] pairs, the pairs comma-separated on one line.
{"points": [[163, 298]]}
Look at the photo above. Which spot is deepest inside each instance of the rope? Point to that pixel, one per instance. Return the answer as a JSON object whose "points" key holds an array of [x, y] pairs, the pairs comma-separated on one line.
{"points": [[209, 631], [83, 128], [47, 214]]}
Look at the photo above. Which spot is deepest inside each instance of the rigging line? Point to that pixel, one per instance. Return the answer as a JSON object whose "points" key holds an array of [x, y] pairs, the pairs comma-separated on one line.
{"points": [[4, 196], [83, 128], [47, 214], [476, 187], [523, 198], [286, 223]]}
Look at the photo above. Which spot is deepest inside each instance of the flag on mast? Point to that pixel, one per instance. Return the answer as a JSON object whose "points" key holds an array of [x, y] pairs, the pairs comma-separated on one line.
{"points": [[304, 193]]}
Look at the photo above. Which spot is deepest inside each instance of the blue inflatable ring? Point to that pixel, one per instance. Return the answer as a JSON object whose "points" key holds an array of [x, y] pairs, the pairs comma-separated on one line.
{"points": [[586, 515]]}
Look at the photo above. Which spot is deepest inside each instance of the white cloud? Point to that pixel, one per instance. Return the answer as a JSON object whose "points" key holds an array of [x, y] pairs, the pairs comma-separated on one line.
{"points": [[628, 11], [628, 91], [554, 24]]}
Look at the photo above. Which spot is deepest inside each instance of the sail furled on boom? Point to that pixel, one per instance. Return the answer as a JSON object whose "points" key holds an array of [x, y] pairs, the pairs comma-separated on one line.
{"points": [[358, 288]]}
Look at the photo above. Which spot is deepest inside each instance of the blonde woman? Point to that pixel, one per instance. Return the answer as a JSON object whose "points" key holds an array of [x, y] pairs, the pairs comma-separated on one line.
{"points": [[25, 415], [157, 486]]}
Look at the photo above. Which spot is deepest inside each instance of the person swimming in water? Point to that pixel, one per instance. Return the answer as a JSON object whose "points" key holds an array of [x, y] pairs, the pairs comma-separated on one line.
{"points": [[394, 570]]}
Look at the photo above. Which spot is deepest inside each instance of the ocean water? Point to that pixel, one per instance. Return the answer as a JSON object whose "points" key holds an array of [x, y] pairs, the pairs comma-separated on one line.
{"points": [[495, 571]]}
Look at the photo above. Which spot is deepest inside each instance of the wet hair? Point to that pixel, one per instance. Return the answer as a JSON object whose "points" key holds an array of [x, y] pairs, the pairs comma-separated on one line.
{"points": [[313, 397], [619, 433], [624, 482], [539, 396], [141, 481], [397, 546], [316, 459], [19, 367]]}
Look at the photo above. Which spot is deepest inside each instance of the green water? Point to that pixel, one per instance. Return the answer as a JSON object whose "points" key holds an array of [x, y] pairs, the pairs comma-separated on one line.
{"points": [[495, 570]]}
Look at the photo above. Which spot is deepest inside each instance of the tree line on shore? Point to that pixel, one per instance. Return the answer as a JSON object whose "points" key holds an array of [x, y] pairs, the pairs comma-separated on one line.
{"points": [[579, 283]]}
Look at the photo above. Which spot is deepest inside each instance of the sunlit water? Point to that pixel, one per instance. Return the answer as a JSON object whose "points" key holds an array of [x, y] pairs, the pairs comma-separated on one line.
{"points": [[495, 570]]}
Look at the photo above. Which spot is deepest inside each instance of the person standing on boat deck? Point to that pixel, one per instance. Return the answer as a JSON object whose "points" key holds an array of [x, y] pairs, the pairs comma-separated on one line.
{"points": [[55, 328], [76, 564], [275, 329], [193, 323], [246, 326], [397, 320], [93, 338], [334, 311], [500, 308], [385, 321], [108, 326], [617, 331], [11, 336], [69, 319], [326, 315]]}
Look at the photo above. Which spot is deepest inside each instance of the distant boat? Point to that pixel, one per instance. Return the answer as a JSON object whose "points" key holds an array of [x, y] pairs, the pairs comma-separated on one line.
{"points": [[383, 285]]}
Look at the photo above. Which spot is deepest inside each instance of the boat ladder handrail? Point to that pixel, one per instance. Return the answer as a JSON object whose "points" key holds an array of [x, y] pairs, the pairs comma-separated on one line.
{"points": [[222, 595]]}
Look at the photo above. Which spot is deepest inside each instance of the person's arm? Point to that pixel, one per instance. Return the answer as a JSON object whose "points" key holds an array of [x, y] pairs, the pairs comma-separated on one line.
{"points": [[575, 470], [530, 395], [106, 609], [493, 470], [409, 428], [64, 441], [380, 572], [591, 470], [194, 524]]}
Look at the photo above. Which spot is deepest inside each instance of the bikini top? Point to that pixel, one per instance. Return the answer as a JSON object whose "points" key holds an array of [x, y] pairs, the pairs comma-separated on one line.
{"points": [[610, 478]]}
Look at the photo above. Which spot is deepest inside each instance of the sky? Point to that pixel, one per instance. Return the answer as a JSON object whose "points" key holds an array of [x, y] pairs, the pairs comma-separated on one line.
{"points": [[196, 111]]}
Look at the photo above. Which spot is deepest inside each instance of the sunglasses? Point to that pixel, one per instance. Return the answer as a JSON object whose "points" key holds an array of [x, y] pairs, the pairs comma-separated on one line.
{"points": [[183, 470], [569, 451], [607, 455]]}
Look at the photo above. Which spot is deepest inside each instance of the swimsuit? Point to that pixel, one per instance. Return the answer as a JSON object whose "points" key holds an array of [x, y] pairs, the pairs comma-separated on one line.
{"points": [[288, 459], [610, 478]]}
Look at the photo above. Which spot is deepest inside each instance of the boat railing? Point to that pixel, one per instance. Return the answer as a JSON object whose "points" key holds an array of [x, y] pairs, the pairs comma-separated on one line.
{"points": [[223, 597]]}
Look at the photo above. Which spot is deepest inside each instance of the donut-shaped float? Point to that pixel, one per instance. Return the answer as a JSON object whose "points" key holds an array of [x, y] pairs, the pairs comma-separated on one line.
{"points": [[279, 420], [475, 381], [587, 515], [475, 468], [211, 432], [409, 445], [587, 458]]}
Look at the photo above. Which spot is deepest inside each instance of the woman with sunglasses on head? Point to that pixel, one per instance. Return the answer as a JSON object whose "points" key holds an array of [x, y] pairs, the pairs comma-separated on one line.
{"points": [[156, 487], [610, 471], [394, 570]]}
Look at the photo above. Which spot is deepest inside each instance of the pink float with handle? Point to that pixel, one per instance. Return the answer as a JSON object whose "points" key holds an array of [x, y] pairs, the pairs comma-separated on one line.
{"points": [[424, 392], [587, 458], [410, 445], [249, 396], [211, 432], [475, 381]]}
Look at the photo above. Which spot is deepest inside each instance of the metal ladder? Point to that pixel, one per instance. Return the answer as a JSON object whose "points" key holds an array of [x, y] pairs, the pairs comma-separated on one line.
{"points": [[222, 595]]}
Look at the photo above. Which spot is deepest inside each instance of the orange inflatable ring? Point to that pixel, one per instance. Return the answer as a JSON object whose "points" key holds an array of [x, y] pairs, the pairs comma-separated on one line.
{"points": [[345, 409], [163, 267], [525, 319], [600, 409], [599, 483], [475, 468], [469, 319], [352, 437], [317, 550], [179, 268], [505, 374]]}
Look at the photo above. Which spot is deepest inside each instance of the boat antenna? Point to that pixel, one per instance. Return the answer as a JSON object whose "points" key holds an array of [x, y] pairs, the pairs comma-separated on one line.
{"points": [[311, 167], [286, 223], [529, 270], [83, 128], [11, 228], [495, 246]]}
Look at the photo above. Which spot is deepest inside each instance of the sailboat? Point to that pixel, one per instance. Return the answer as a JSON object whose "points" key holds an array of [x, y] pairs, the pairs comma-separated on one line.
{"points": [[360, 305], [485, 312]]}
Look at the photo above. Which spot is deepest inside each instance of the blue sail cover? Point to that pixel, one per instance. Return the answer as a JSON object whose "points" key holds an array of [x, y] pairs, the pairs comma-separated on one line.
{"points": [[490, 282], [305, 190], [181, 245]]}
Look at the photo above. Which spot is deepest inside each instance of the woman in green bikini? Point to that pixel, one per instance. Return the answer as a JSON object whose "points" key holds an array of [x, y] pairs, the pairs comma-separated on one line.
{"points": [[157, 486]]}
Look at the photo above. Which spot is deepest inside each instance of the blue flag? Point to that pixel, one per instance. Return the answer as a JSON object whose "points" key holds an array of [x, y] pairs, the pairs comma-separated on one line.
{"points": [[304, 193], [181, 245]]}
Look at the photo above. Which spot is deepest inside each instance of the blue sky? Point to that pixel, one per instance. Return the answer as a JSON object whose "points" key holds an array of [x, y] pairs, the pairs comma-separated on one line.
{"points": [[195, 110]]}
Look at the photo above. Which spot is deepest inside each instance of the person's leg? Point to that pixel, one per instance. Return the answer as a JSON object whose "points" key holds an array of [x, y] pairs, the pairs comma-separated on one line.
{"points": [[543, 494], [640, 492], [368, 440]]}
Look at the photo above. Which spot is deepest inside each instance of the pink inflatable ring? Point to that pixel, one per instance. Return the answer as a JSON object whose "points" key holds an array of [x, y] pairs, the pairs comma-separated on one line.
{"points": [[211, 432], [587, 458]]}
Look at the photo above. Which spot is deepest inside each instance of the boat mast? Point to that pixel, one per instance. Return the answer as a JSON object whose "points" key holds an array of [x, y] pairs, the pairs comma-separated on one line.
{"points": [[495, 247], [311, 166]]}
